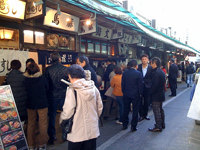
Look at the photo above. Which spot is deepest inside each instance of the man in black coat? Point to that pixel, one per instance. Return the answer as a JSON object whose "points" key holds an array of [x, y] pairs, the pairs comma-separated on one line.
{"points": [[132, 93], [56, 93], [157, 95], [109, 69], [146, 70], [173, 74], [83, 61]]}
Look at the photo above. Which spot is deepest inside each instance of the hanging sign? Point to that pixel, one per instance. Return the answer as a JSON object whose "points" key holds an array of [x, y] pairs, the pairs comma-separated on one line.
{"points": [[11, 130], [6, 56], [137, 39], [12, 8], [103, 32], [33, 11], [117, 33], [126, 39], [64, 21], [86, 29]]}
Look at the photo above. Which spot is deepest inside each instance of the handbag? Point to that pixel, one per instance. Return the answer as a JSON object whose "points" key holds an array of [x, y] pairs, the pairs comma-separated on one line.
{"points": [[66, 125]]}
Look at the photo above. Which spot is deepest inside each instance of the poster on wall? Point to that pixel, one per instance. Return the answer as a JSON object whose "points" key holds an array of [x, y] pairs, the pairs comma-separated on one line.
{"points": [[11, 131], [6, 56]]}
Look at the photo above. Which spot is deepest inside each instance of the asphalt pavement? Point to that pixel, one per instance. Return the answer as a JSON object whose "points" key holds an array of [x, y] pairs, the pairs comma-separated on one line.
{"points": [[181, 133]]}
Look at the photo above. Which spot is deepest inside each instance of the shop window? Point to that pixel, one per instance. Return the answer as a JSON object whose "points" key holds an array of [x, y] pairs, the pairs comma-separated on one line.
{"points": [[90, 47], [111, 50], [97, 47], [83, 45], [104, 49]]}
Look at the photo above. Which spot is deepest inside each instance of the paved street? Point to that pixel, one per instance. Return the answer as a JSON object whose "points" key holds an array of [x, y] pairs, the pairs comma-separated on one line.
{"points": [[180, 133]]}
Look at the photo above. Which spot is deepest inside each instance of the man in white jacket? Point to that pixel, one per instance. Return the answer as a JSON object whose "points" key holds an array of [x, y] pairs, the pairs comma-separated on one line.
{"points": [[85, 129]]}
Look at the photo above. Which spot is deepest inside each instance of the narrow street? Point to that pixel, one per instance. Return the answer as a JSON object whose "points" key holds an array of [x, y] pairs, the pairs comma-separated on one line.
{"points": [[180, 133]]}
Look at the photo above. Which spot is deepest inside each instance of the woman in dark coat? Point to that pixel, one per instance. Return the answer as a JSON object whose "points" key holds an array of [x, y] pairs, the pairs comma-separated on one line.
{"points": [[16, 80], [37, 104]]}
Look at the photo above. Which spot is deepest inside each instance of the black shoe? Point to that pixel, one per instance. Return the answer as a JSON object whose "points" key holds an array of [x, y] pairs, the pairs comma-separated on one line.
{"points": [[172, 95], [163, 126], [125, 127], [105, 118], [147, 118], [140, 119], [51, 140], [155, 129], [133, 129]]}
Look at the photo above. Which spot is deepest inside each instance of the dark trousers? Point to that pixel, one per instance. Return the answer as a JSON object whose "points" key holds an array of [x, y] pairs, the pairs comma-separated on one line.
{"points": [[144, 103], [173, 86], [158, 114], [85, 145], [136, 105], [53, 106]]}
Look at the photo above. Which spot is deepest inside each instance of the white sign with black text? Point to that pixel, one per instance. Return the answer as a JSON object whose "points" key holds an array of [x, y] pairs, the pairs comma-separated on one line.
{"points": [[86, 29], [103, 32], [117, 33], [64, 21], [126, 39]]}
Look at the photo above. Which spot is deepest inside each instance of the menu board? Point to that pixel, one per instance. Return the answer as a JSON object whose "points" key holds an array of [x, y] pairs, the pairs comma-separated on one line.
{"points": [[11, 132]]}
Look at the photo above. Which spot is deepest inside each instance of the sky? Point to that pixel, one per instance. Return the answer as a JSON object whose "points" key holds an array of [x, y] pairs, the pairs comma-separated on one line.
{"points": [[181, 15]]}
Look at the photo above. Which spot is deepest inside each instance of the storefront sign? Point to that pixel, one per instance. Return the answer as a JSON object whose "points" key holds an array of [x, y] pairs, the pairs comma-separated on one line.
{"points": [[12, 8], [11, 133], [64, 21], [137, 39], [123, 49], [103, 32], [126, 39], [66, 58], [6, 56], [86, 29], [33, 11], [117, 33]]}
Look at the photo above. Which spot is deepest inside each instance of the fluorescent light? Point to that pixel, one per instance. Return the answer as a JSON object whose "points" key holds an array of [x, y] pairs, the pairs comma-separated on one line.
{"points": [[168, 51]]}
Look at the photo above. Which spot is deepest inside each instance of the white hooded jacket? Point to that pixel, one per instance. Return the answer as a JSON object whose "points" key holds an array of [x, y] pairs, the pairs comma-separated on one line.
{"points": [[88, 110]]}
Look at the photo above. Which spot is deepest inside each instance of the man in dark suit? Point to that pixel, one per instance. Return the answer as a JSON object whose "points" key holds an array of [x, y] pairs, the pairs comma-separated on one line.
{"points": [[146, 70], [157, 95], [173, 74], [132, 92], [109, 69], [83, 61]]}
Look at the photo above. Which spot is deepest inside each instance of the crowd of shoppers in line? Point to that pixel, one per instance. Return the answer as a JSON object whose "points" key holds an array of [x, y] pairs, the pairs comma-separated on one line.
{"points": [[130, 88]]}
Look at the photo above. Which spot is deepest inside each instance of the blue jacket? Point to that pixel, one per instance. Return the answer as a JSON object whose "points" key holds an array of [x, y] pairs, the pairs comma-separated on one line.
{"points": [[132, 83]]}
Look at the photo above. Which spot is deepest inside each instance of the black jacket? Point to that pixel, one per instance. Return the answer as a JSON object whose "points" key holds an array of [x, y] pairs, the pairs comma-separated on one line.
{"points": [[147, 77], [16, 80], [173, 71], [54, 74], [190, 69], [93, 74], [37, 88], [157, 90], [132, 83], [109, 69]]}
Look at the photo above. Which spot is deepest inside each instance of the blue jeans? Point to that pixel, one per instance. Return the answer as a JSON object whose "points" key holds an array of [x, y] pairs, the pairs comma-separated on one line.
{"points": [[53, 106], [121, 107], [190, 79]]}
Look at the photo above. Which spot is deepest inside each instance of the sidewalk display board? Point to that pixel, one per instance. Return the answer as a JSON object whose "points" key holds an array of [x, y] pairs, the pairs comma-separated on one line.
{"points": [[11, 132]]}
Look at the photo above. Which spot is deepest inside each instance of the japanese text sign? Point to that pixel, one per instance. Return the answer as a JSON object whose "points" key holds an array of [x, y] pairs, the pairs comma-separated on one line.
{"points": [[64, 21], [103, 32], [86, 29], [126, 39]]}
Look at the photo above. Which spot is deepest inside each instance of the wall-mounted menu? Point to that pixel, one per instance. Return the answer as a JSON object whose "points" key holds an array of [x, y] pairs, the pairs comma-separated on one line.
{"points": [[11, 132]]}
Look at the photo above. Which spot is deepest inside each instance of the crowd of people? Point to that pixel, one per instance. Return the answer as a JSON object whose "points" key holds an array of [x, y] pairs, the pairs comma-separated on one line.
{"points": [[130, 88]]}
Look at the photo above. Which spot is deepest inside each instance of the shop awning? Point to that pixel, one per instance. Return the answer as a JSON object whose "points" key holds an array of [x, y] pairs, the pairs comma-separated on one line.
{"points": [[108, 13], [146, 28]]}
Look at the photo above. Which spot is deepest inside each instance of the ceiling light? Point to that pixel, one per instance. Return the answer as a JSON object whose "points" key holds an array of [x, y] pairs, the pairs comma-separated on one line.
{"points": [[168, 51], [68, 19], [58, 10], [37, 3], [88, 22]]}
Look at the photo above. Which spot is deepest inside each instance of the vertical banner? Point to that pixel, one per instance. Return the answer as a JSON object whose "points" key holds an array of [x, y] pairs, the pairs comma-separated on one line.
{"points": [[6, 56], [11, 131]]}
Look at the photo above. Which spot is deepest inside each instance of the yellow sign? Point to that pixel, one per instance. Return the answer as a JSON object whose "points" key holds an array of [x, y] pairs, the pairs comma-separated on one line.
{"points": [[12, 8]]}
